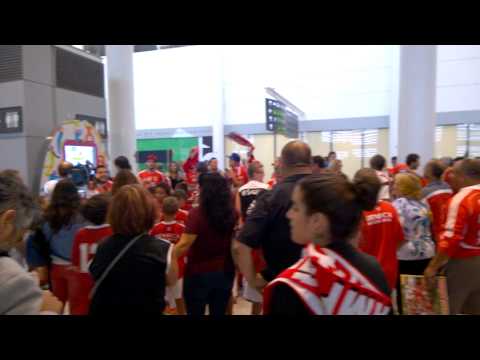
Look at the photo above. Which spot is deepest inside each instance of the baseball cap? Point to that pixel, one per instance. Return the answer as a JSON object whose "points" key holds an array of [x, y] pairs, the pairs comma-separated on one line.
{"points": [[234, 157]]}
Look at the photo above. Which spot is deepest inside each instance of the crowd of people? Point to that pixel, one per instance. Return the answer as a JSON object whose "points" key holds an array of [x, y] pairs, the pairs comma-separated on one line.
{"points": [[193, 240]]}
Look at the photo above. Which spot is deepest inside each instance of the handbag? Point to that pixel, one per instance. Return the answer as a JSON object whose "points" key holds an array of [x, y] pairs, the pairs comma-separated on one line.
{"points": [[112, 264]]}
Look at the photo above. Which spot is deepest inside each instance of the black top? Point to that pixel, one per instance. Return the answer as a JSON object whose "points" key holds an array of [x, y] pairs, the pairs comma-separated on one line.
{"points": [[268, 228], [285, 300], [136, 283], [175, 181]]}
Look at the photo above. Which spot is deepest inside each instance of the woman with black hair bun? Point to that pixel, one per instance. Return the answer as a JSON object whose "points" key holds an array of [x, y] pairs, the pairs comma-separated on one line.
{"points": [[333, 277], [209, 269]]}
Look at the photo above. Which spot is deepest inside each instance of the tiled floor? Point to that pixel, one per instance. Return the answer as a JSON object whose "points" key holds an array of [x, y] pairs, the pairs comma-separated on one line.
{"points": [[242, 307]]}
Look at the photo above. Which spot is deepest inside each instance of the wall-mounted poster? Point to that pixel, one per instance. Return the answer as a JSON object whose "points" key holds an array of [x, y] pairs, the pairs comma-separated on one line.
{"points": [[100, 124], [417, 299], [11, 120]]}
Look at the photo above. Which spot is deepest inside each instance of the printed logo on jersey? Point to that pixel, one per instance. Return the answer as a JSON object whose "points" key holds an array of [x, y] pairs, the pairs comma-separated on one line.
{"points": [[380, 218]]}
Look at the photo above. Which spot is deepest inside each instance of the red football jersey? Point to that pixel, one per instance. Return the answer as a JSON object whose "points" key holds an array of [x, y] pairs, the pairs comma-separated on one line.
{"points": [[460, 236], [381, 233], [155, 177], [83, 250], [180, 217], [438, 202], [171, 231]]}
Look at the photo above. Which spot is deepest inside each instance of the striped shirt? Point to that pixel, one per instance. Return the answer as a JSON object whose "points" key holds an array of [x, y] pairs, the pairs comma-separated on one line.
{"points": [[461, 233]]}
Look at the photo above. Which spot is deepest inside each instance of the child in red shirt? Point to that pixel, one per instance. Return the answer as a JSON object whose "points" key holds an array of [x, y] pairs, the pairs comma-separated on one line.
{"points": [[181, 197], [83, 250], [170, 229], [159, 192], [181, 193]]}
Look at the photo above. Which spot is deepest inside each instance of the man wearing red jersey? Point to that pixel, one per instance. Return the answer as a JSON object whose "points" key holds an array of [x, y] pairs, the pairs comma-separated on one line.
{"points": [[151, 176], [104, 184], [437, 194], [459, 245], [237, 172], [190, 169], [381, 233], [171, 230], [449, 178], [83, 250], [392, 170]]}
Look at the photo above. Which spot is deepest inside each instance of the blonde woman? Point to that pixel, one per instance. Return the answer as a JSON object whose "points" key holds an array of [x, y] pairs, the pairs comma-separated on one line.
{"points": [[418, 248]]}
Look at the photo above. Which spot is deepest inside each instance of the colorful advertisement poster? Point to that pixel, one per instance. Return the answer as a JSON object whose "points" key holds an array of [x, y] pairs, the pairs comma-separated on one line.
{"points": [[418, 299]]}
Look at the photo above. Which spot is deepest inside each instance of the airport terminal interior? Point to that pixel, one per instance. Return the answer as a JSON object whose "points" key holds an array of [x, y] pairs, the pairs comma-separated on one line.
{"points": [[221, 180]]}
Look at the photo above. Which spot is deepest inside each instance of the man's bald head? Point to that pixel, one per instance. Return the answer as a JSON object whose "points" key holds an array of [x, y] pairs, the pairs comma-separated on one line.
{"points": [[64, 169], [469, 168], [296, 154]]}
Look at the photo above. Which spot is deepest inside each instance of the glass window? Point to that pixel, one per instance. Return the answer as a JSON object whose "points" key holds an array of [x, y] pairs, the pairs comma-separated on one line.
{"points": [[348, 146], [474, 140], [461, 139], [320, 142]]}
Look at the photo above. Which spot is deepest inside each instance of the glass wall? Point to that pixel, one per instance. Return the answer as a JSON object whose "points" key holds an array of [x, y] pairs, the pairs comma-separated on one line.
{"points": [[457, 140], [353, 147]]}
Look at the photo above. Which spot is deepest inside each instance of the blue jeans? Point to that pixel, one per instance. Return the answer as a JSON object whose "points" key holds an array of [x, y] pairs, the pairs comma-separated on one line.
{"points": [[213, 289]]}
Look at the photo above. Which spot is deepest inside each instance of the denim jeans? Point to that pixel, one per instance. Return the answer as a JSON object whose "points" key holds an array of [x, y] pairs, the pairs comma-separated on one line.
{"points": [[213, 289]]}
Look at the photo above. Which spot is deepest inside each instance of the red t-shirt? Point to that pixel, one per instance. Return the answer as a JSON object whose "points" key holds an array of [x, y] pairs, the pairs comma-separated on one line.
{"points": [[381, 233], [171, 231], [210, 251], [83, 250]]}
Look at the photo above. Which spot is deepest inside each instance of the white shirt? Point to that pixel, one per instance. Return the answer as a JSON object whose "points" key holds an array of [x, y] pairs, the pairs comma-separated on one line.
{"points": [[384, 193]]}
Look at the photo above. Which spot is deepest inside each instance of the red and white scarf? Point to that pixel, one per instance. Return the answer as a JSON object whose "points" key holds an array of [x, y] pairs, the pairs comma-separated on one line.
{"points": [[329, 285]]}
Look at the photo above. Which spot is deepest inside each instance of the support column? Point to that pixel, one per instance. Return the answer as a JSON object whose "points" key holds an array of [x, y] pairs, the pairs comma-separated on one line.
{"points": [[412, 118], [218, 133], [120, 97]]}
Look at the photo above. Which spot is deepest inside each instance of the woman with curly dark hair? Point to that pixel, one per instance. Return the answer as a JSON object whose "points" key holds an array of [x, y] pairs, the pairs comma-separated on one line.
{"points": [[62, 221], [207, 238]]}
